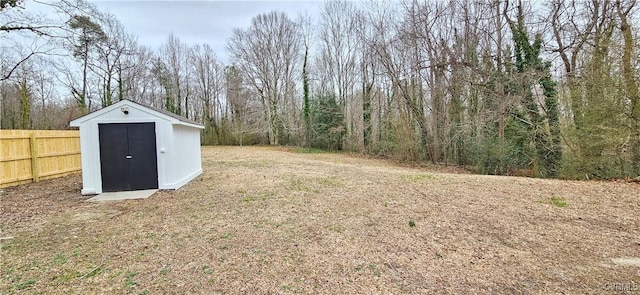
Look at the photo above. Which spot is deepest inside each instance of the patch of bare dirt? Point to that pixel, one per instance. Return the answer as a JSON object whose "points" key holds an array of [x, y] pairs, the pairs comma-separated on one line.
{"points": [[24, 204], [264, 221]]}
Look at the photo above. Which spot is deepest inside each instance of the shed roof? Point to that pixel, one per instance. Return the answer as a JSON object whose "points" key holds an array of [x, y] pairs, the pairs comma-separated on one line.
{"points": [[173, 118]]}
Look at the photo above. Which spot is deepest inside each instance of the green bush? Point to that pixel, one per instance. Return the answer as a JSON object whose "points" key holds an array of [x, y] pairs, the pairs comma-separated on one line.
{"points": [[498, 157], [327, 120]]}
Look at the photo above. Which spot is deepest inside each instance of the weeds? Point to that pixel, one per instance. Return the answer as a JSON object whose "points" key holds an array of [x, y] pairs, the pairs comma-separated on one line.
{"points": [[129, 281], [418, 177], [207, 270], [259, 197], [298, 184], [60, 259], [332, 181], [24, 284], [375, 270], [68, 276], [336, 228], [5, 246], [558, 201], [302, 150]]}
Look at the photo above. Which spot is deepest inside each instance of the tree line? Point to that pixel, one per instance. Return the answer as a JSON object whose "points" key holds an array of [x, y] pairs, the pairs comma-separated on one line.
{"points": [[543, 89]]}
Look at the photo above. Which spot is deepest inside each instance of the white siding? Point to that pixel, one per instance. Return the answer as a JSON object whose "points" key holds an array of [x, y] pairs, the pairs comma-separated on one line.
{"points": [[186, 156]]}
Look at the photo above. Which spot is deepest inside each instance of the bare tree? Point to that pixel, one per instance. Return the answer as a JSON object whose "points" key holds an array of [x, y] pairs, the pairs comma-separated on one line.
{"points": [[266, 54], [173, 55], [307, 29], [573, 23], [44, 91], [42, 32], [136, 79], [108, 65], [339, 52], [629, 76], [208, 73]]}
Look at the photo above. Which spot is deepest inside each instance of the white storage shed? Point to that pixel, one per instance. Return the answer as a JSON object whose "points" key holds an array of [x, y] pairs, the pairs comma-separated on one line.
{"points": [[128, 146]]}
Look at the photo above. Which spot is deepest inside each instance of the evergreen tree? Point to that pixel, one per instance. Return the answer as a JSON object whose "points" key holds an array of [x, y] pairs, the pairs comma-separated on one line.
{"points": [[91, 33], [328, 123]]}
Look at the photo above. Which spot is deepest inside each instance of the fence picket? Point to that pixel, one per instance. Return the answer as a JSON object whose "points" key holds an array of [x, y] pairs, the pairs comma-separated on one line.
{"points": [[29, 155]]}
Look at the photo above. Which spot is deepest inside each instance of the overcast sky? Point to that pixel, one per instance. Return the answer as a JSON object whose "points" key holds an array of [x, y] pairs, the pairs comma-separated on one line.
{"points": [[196, 22]]}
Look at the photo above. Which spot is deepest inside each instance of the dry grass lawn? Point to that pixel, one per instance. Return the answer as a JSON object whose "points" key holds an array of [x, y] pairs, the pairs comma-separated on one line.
{"points": [[271, 221]]}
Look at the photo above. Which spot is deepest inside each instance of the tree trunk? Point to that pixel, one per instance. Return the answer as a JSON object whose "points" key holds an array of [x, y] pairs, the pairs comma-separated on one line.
{"points": [[306, 109], [630, 82], [25, 105], [82, 102]]}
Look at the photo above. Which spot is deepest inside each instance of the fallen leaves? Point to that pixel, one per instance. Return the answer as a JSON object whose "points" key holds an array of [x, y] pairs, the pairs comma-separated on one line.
{"points": [[265, 220]]}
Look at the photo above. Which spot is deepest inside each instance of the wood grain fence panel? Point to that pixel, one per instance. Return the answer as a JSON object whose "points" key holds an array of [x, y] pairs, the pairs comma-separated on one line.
{"points": [[32, 155]]}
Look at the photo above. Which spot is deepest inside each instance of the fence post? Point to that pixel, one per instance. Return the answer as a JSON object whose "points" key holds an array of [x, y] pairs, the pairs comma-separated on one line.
{"points": [[34, 157]]}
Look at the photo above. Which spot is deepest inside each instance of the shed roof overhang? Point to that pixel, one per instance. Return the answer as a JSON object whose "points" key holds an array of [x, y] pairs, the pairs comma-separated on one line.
{"points": [[163, 114]]}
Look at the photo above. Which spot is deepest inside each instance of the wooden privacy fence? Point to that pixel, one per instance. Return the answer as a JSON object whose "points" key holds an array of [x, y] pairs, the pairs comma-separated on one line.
{"points": [[31, 155]]}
